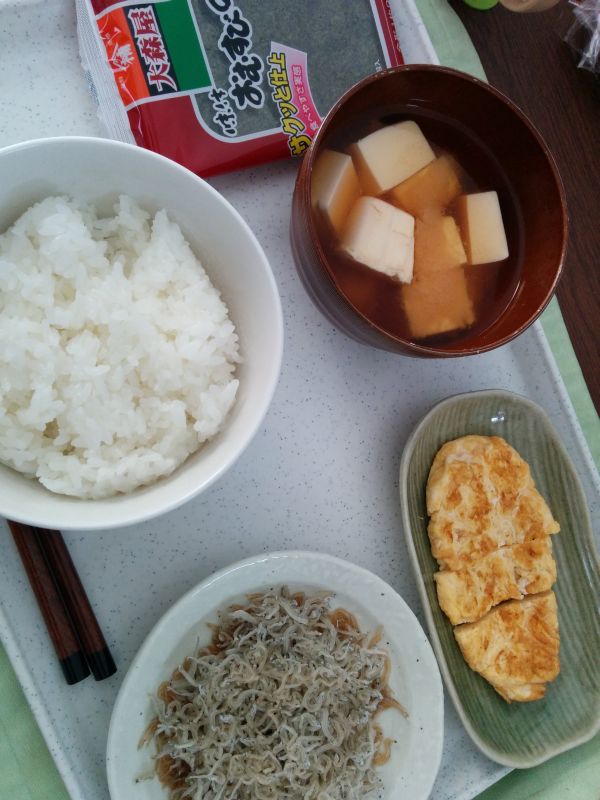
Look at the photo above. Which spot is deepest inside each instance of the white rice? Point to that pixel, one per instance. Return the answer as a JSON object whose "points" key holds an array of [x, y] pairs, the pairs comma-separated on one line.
{"points": [[117, 355]]}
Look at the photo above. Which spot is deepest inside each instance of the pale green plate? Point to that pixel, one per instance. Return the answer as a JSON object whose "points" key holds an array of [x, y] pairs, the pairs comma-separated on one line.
{"points": [[517, 734]]}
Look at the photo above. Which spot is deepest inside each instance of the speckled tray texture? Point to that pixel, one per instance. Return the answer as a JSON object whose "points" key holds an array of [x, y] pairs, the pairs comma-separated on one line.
{"points": [[322, 474], [519, 734]]}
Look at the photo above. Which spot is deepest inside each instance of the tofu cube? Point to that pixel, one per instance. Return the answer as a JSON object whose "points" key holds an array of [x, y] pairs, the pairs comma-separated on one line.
{"points": [[390, 155], [334, 187], [438, 245], [431, 190], [481, 223], [381, 237], [437, 303]]}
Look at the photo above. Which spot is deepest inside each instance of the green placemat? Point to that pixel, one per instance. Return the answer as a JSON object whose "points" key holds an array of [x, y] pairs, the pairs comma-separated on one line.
{"points": [[26, 769]]}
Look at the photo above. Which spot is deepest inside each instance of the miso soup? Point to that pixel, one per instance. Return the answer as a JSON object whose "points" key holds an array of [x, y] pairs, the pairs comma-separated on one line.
{"points": [[419, 225]]}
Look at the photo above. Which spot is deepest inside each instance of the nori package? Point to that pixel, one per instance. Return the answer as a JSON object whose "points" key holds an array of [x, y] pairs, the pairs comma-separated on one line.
{"points": [[222, 84]]}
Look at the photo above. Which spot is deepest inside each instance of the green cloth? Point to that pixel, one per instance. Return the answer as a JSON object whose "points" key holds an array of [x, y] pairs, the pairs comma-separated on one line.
{"points": [[449, 38], [559, 341], [26, 769], [571, 776]]}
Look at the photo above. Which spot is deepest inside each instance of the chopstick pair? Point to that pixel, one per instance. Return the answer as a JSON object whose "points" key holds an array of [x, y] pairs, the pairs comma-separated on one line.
{"points": [[73, 628]]}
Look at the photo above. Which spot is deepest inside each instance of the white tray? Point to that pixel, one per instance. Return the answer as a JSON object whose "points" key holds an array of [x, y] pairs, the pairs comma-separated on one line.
{"points": [[320, 475]]}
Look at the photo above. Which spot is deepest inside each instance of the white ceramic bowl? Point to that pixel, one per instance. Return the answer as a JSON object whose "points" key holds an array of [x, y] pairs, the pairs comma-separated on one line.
{"points": [[98, 170], [414, 676]]}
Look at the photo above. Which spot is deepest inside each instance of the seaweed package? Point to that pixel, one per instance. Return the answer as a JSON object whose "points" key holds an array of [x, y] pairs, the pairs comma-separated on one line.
{"points": [[222, 84]]}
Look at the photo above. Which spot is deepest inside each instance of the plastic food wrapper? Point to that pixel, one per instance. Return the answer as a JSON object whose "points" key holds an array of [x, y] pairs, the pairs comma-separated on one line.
{"points": [[222, 84], [584, 35]]}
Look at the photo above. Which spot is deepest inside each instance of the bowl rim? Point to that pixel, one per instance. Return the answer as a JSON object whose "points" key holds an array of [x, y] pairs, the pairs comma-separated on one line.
{"points": [[73, 513], [411, 348]]}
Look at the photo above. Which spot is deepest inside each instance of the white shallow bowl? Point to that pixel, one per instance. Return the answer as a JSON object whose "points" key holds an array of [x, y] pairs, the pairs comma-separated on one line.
{"points": [[97, 171], [415, 678]]}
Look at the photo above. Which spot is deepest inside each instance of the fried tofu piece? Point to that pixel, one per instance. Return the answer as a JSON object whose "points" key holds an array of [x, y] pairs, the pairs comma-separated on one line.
{"points": [[437, 303], [481, 497], [431, 190], [334, 187], [380, 236], [515, 647], [509, 573], [481, 222], [438, 246], [390, 155]]}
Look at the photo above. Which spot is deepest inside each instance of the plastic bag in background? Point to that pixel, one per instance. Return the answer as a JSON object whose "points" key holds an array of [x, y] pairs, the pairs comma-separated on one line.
{"points": [[223, 84], [584, 35]]}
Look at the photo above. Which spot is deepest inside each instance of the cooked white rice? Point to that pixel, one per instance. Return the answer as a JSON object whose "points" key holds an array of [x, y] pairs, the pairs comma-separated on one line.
{"points": [[117, 355]]}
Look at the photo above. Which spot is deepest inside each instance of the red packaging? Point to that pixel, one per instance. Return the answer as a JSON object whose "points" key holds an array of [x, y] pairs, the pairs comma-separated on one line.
{"points": [[221, 84]]}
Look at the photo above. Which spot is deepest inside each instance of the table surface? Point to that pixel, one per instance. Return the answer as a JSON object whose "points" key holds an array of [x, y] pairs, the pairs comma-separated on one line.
{"points": [[524, 55]]}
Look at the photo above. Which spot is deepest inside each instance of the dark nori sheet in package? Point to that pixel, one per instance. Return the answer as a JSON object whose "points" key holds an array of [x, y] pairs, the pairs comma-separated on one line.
{"points": [[219, 85]]}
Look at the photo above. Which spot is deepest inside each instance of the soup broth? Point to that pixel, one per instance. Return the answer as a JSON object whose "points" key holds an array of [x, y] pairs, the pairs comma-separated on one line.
{"points": [[490, 286]]}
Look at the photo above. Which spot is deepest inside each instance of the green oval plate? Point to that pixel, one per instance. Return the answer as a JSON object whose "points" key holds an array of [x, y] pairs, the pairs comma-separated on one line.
{"points": [[517, 734]]}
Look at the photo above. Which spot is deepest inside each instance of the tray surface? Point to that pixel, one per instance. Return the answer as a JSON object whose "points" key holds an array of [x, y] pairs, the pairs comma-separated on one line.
{"points": [[320, 475]]}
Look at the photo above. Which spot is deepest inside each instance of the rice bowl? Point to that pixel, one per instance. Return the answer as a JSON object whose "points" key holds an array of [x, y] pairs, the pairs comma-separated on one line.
{"points": [[96, 172]]}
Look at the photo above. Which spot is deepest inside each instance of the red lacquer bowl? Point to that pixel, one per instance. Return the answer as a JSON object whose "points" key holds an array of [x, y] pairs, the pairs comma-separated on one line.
{"points": [[477, 115]]}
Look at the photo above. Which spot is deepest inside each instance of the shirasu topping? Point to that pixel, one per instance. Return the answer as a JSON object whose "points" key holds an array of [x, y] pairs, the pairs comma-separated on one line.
{"points": [[280, 705]]}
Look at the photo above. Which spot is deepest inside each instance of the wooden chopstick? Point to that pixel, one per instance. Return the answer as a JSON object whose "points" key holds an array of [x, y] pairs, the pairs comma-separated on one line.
{"points": [[60, 628], [96, 650]]}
